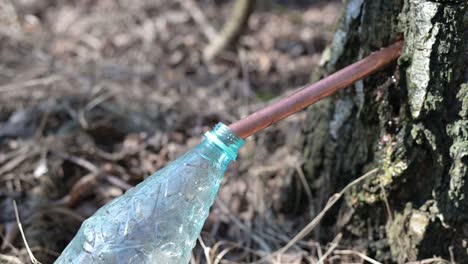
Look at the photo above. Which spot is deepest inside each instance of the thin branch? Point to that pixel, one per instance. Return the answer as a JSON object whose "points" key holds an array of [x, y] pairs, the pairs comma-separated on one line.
{"points": [[26, 84], [332, 201], [334, 244], [192, 8], [116, 181], [309, 227], [430, 261], [206, 250], [224, 209], [303, 180], [9, 259], [357, 253], [232, 29], [20, 227]]}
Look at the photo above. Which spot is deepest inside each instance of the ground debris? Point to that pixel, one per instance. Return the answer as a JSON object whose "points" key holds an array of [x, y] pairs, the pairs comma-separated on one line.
{"points": [[91, 105]]}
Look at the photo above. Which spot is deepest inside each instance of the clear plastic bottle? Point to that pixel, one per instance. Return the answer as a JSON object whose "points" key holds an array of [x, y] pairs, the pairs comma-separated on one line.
{"points": [[159, 220]]}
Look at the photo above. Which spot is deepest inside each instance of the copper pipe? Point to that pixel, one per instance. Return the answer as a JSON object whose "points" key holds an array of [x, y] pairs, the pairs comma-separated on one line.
{"points": [[315, 92]]}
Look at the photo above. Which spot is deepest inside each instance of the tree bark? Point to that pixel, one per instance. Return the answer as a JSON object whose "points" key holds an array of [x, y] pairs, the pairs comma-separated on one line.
{"points": [[410, 121]]}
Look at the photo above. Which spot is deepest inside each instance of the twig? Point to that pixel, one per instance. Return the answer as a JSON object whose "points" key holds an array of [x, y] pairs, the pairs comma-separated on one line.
{"points": [[232, 29], [429, 261], [4, 157], [387, 205], [66, 212], [332, 201], [303, 180], [206, 250], [20, 227], [11, 231], [361, 255], [309, 227], [42, 125], [94, 169], [46, 250], [192, 8], [9, 259], [116, 181], [192, 259], [78, 161], [35, 82], [89, 106], [452, 255], [221, 254], [277, 235], [334, 244], [13, 163], [242, 226]]}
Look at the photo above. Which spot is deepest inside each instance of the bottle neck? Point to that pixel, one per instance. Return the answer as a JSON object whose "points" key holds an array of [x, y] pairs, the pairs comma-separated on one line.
{"points": [[223, 142]]}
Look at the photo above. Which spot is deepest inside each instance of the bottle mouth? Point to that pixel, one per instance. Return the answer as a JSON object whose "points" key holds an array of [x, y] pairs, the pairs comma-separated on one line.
{"points": [[224, 138]]}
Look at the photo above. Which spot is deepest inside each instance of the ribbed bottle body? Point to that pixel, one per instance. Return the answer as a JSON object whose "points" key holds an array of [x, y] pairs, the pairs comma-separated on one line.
{"points": [[159, 220]]}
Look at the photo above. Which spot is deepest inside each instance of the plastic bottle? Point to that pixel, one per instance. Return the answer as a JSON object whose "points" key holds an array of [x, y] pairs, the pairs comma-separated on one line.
{"points": [[159, 220]]}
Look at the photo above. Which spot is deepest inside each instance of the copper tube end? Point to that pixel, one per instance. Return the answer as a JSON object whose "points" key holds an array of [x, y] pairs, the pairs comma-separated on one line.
{"points": [[315, 92]]}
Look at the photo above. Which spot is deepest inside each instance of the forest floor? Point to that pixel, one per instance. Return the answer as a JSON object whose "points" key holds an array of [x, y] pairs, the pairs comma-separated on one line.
{"points": [[97, 95]]}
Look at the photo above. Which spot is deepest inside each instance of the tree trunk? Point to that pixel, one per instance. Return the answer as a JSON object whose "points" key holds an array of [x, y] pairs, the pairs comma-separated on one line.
{"points": [[410, 121]]}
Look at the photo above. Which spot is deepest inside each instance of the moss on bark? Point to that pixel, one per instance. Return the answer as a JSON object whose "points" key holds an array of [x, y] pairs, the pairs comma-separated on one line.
{"points": [[409, 120]]}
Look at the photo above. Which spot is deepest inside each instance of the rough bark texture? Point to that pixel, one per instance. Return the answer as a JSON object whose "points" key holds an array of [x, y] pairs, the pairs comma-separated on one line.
{"points": [[411, 121]]}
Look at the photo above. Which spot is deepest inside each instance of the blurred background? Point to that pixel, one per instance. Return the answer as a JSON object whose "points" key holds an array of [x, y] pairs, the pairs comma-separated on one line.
{"points": [[97, 95]]}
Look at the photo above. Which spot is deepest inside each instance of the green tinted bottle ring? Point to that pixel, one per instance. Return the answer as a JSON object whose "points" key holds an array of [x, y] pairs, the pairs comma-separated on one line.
{"points": [[213, 138]]}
